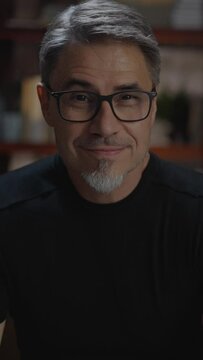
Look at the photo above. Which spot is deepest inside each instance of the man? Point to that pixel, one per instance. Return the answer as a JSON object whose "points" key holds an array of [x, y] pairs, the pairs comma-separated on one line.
{"points": [[101, 245]]}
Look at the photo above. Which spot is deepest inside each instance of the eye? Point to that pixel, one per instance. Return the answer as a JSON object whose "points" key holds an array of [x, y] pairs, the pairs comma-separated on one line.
{"points": [[78, 100], [83, 98], [79, 97], [127, 99]]}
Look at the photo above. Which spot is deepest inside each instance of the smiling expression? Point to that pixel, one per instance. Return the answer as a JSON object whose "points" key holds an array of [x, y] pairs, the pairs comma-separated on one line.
{"points": [[103, 146]]}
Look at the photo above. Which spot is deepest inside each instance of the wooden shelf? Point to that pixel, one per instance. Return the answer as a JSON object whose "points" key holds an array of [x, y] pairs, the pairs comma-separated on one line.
{"points": [[174, 37], [178, 153], [41, 149], [181, 153], [168, 37], [22, 34]]}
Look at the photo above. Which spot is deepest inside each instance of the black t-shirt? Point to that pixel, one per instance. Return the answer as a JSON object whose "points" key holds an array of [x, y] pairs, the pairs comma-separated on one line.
{"points": [[85, 280]]}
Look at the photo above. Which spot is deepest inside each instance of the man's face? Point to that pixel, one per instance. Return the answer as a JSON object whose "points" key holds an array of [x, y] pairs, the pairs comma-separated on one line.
{"points": [[104, 149]]}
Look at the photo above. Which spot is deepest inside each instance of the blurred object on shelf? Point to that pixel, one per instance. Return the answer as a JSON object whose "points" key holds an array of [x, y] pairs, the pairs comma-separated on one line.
{"points": [[160, 135], [10, 117], [6, 11], [187, 14], [49, 10], [182, 68], [162, 126], [23, 23], [24, 9], [182, 71], [25, 14], [196, 119], [173, 112], [157, 12], [31, 14], [24, 61], [164, 106], [34, 127], [180, 118], [2, 112], [12, 126]]}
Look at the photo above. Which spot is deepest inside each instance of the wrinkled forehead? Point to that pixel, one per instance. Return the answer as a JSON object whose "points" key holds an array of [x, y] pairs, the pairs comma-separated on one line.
{"points": [[106, 60]]}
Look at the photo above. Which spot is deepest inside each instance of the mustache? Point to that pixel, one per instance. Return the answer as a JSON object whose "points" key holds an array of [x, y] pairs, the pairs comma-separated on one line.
{"points": [[109, 141]]}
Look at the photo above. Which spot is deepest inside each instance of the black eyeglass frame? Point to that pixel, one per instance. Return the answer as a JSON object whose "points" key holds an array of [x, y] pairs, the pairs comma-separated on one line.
{"points": [[57, 94]]}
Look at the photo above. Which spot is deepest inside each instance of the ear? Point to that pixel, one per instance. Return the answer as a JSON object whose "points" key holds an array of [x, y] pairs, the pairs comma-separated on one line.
{"points": [[44, 99]]}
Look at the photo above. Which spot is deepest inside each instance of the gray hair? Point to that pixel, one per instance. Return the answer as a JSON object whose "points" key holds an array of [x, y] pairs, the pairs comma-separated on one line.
{"points": [[97, 20]]}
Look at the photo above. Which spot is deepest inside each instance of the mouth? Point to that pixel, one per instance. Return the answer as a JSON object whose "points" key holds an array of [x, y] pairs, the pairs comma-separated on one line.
{"points": [[107, 152]]}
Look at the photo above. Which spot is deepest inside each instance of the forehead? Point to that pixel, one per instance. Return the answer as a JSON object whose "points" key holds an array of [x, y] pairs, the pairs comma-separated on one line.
{"points": [[102, 63]]}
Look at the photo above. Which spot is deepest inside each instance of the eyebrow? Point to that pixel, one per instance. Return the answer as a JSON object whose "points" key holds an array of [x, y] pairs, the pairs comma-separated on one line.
{"points": [[74, 82], [87, 85], [130, 86]]}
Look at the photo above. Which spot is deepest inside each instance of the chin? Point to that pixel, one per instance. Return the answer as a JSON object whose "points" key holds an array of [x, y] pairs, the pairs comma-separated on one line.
{"points": [[102, 183], [103, 179]]}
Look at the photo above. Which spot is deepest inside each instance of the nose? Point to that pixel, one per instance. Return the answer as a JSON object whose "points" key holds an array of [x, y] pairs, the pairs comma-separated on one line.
{"points": [[105, 123]]}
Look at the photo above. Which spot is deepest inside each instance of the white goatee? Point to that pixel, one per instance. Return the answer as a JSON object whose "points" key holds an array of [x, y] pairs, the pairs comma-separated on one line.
{"points": [[102, 180]]}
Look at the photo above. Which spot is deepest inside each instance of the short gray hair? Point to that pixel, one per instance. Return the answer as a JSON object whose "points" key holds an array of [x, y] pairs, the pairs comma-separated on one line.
{"points": [[93, 21]]}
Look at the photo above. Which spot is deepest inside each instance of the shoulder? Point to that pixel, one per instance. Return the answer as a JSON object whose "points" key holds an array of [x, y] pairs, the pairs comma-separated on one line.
{"points": [[28, 182], [177, 178]]}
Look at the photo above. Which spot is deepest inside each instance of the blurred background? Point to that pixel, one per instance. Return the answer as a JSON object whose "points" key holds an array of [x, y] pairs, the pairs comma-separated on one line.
{"points": [[178, 131]]}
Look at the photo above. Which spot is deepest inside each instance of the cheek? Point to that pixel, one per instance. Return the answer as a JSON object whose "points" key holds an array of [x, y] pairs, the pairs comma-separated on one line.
{"points": [[67, 135], [64, 137], [65, 144], [51, 115], [140, 132]]}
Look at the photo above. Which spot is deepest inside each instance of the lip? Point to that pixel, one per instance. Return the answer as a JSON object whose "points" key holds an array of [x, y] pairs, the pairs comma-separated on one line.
{"points": [[104, 152]]}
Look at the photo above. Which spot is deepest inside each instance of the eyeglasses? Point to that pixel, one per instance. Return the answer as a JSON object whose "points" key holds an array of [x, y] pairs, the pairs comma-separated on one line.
{"points": [[82, 106]]}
